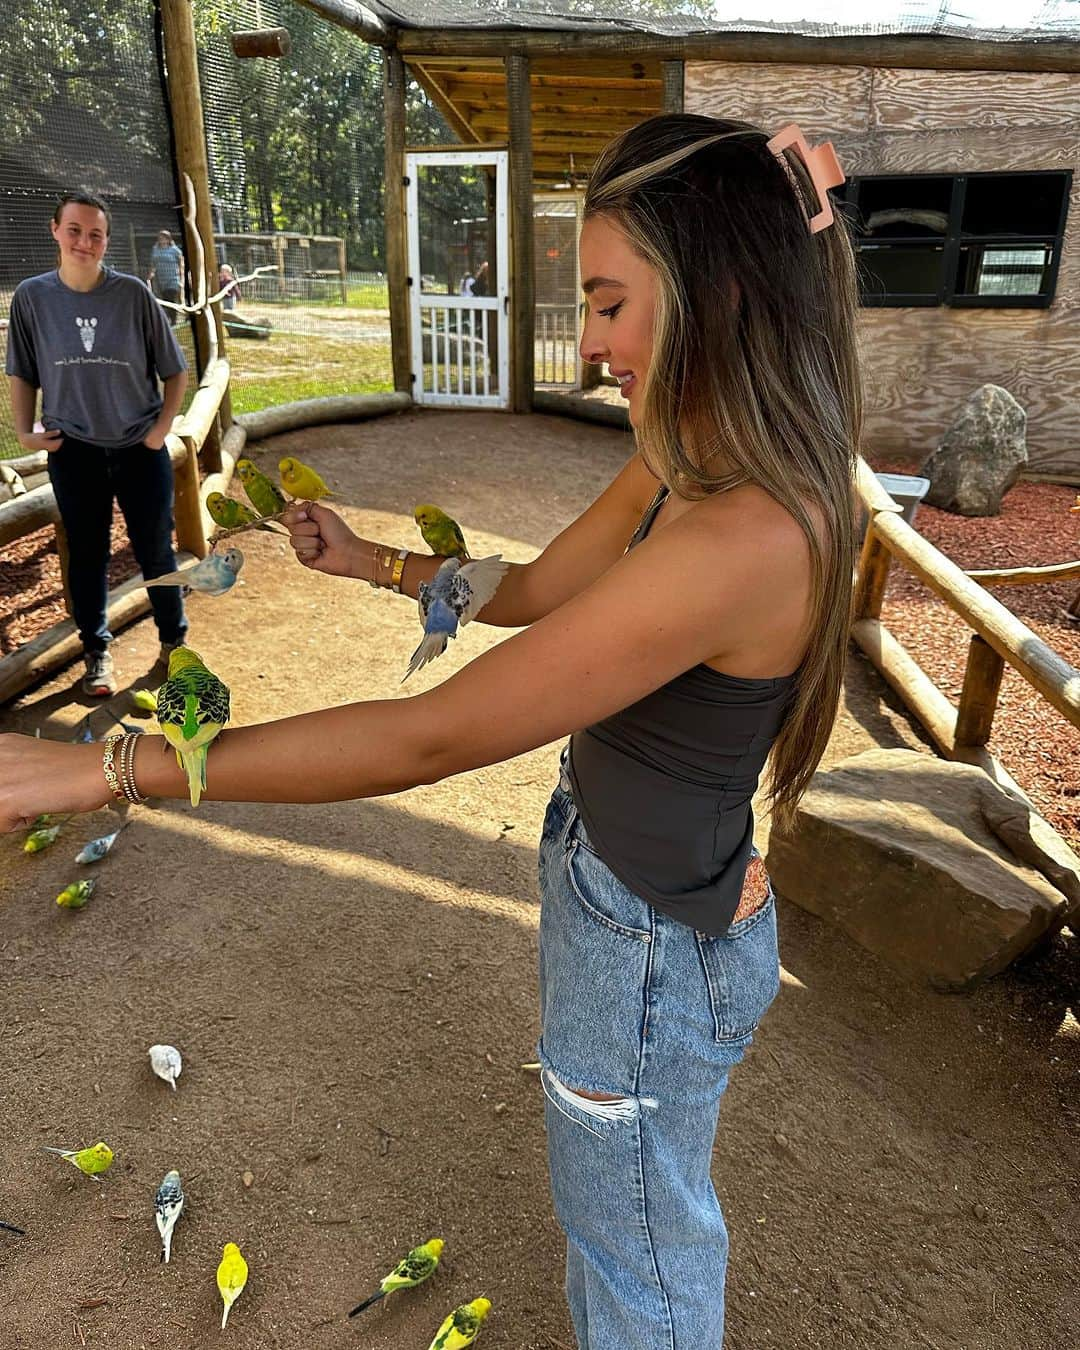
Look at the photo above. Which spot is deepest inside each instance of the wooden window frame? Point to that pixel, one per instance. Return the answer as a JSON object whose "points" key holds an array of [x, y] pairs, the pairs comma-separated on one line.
{"points": [[955, 239]]}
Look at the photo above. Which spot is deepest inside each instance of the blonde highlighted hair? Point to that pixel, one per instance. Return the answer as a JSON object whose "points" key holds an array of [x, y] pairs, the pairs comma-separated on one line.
{"points": [[754, 374]]}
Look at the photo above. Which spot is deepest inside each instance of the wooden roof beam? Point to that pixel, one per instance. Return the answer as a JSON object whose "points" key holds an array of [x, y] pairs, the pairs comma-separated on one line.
{"points": [[907, 51], [357, 18]]}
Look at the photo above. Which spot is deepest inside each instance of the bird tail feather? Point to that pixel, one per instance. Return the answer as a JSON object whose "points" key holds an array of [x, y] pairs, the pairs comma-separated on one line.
{"points": [[380, 1293], [193, 762], [170, 579], [431, 646], [225, 1315]]}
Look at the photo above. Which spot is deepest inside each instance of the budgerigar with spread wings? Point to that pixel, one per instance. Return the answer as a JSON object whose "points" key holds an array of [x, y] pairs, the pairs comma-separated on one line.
{"points": [[193, 706], [456, 595]]}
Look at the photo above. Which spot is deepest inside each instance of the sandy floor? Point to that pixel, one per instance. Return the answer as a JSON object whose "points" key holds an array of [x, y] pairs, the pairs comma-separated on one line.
{"points": [[352, 988]]}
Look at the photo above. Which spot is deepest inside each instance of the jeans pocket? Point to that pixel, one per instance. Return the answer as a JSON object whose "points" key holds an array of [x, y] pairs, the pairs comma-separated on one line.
{"points": [[742, 971], [601, 895]]}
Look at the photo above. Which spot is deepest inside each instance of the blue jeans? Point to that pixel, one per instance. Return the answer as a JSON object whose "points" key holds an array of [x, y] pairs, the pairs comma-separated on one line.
{"points": [[639, 1006], [85, 479]]}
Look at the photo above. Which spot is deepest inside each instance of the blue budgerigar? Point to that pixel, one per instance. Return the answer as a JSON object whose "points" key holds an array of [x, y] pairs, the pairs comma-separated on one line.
{"points": [[213, 576], [456, 595]]}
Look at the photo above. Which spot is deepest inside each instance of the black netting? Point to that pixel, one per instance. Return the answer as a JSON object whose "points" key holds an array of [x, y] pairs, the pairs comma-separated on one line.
{"points": [[84, 110]]}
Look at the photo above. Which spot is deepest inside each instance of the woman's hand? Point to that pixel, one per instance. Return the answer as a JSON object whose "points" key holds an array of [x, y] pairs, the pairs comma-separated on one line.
{"points": [[47, 776], [323, 542], [42, 440]]}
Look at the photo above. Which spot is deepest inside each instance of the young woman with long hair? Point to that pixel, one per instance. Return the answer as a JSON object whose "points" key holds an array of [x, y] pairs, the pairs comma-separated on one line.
{"points": [[691, 623]]}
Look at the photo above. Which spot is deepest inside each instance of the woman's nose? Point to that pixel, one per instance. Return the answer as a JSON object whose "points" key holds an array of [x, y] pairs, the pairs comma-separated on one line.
{"points": [[592, 348]]}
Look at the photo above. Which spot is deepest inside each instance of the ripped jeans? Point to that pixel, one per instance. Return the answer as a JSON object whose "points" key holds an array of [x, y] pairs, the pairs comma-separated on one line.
{"points": [[639, 1007]]}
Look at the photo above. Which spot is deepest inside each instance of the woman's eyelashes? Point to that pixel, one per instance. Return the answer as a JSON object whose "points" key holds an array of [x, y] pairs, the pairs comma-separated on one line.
{"points": [[611, 310]]}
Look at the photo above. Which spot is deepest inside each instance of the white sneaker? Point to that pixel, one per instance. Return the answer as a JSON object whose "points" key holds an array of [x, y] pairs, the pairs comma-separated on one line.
{"points": [[99, 680]]}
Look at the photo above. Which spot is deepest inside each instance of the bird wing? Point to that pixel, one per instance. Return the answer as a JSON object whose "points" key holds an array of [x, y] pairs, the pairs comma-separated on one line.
{"points": [[423, 600], [474, 585]]}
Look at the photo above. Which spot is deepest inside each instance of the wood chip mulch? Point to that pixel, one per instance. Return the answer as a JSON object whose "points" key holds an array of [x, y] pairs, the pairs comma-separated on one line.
{"points": [[1035, 528], [1038, 747]]}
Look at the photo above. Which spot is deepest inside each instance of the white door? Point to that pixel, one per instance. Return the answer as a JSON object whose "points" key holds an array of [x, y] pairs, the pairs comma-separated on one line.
{"points": [[459, 295]]}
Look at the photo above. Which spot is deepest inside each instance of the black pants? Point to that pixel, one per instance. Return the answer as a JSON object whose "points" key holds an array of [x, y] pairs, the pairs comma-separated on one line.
{"points": [[85, 479]]}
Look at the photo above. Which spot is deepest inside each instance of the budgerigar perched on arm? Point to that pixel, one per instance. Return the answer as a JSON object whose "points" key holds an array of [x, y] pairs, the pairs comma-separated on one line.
{"points": [[232, 1275], [410, 1271], [90, 1161], [168, 1205], [228, 513], [300, 480], [193, 706], [261, 492], [441, 532], [455, 596], [214, 575], [462, 1326]]}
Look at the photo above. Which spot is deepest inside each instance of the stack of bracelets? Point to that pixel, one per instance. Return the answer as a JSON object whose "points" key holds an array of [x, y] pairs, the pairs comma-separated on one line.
{"points": [[122, 784]]}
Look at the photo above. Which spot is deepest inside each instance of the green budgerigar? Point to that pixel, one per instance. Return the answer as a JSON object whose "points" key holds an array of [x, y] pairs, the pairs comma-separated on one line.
{"points": [[410, 1271], [229, 513], [37, 840], [261, 492], [193, 706], [462, 1326], [90, 1161], [441, 532], [77, 894]]}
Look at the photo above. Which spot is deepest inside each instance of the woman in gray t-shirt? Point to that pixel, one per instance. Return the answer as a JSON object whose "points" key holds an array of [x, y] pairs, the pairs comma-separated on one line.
{"points": [[96, 344]]}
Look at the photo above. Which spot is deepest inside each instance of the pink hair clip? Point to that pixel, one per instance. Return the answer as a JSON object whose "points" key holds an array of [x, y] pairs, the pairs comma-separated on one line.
{"points": [[821, 164]]}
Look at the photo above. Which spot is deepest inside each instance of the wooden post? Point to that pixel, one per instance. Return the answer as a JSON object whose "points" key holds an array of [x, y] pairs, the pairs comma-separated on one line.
{"points": [[522, 281], [978, 698], [673, 76], [190, 536], [64, 553], [397, 265], [873, 574], [279, 249], [189, 133], [342, 268], [268, 42]]}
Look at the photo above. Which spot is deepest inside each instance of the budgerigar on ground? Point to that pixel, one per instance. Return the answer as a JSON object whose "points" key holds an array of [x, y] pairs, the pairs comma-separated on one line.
{"points": [[96, 849], [166, 1063], [193, 706], [90, 1161], [300, 480], [214, 575], [77, 894], [37, 840], [261, 492], [410, 1271], [228, 513], [462, 1326], [232, 1275], [168, 1204], [455, 596], [441, 532]]}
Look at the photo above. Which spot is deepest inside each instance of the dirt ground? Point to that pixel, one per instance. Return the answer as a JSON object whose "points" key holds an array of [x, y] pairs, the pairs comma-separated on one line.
{"points": [[352, 988]]}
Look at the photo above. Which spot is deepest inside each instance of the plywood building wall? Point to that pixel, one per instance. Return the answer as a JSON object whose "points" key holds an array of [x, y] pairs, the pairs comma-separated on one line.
{"points": [[922, 363]]}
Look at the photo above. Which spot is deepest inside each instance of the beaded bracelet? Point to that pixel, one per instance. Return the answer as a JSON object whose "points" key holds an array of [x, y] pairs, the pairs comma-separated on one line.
{"points": [[127, 769], [109, 769]]}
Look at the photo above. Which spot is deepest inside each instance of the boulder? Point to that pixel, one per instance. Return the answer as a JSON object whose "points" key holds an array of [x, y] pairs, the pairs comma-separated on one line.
{"points": [[980, 456], [913, 857]]}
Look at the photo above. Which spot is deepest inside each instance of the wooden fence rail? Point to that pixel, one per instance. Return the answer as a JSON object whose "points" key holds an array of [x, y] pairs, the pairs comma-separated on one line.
{"points": [[999, 638]]}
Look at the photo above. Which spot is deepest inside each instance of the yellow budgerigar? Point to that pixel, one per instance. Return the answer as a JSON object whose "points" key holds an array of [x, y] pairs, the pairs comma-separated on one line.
{"points": [[144, 699], [232, 1275], [77, 894], [90, 1161], [229, 514], [410, 1271], [37, 840], [300, 480], [262, 494], [441, 532], [462, 1326], [192, 707]]}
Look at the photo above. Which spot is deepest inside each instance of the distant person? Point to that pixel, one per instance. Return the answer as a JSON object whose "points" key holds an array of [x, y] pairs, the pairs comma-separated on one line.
{"points": [[165, 277], [468, 285], [96, 343], [227, 277], [482, 281]]}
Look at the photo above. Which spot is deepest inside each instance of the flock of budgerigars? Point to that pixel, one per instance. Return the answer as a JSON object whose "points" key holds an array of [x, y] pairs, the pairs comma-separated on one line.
{"points": [[191, 707]]}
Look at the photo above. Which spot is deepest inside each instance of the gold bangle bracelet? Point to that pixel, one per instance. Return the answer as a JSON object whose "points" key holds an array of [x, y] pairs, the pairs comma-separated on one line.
{"points": [[399, 568], [112, 780]]}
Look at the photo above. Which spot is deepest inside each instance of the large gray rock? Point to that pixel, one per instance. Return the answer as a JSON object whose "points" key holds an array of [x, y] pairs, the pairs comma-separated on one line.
{"points": [[980, 456], [911, 857]]}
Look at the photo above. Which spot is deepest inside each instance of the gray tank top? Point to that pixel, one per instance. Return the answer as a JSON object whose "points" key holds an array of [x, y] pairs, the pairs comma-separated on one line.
{"points": [[664, 786]]}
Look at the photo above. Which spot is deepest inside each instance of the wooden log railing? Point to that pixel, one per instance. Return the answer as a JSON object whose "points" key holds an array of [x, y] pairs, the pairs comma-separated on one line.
{"points": [[999, 638], [22, 515]]}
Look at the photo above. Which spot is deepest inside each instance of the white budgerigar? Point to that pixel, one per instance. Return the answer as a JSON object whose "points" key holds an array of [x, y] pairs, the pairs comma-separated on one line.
{"points": [[456, 595], [213, 576], [168, 1203], [166, 1063]]}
